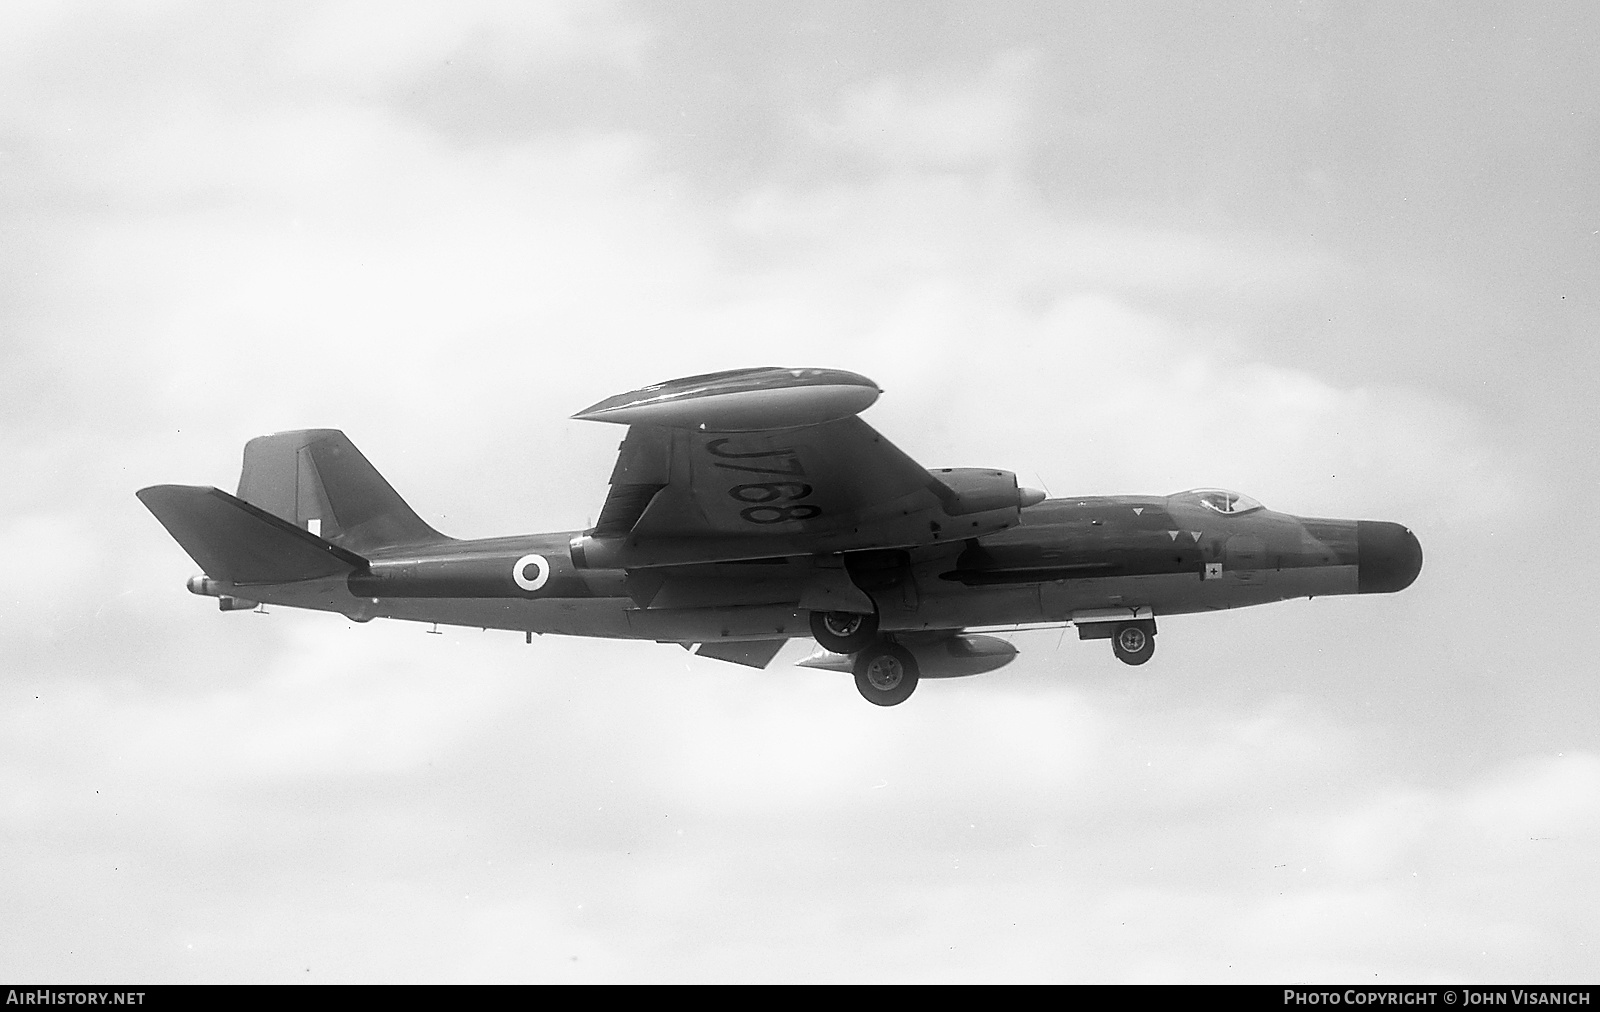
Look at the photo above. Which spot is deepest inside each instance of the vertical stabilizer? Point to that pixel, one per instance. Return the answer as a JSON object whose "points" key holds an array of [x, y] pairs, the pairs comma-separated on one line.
{"points": [[317, 480]]}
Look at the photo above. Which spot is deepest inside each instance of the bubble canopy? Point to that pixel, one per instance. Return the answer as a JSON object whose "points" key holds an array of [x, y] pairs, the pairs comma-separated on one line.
{"points": [[1219, 500]]}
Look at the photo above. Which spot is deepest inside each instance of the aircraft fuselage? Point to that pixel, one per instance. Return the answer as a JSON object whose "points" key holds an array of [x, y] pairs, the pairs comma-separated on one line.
{"points": [[1152, 555]]}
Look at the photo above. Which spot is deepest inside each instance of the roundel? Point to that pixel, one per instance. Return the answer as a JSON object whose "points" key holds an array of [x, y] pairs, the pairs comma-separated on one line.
{"points": [[531, 572]]}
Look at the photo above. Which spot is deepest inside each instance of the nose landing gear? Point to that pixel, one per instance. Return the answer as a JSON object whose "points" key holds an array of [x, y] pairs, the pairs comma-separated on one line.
{"points": [[1133, 643]]}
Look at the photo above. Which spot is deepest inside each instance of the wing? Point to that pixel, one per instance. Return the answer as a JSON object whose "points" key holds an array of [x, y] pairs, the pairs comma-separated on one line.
{"points": [[764, 463]]}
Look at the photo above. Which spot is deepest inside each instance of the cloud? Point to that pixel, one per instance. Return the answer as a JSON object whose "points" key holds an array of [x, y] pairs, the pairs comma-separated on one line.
{"points": [[311, 254], [397, 41], [60, 560], [936, 123]]}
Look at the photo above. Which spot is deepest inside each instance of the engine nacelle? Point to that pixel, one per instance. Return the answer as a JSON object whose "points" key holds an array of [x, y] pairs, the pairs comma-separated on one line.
{"points": [[982, 489], [977, 489]]}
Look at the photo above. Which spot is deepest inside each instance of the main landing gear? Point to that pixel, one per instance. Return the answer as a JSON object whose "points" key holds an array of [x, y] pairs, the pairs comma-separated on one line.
{"points": [[843, 632], [886, 673]]}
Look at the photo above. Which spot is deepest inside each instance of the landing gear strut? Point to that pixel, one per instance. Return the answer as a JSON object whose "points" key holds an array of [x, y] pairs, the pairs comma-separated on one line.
{"points": [[886, 673], [843, 632], [1133, 643]]}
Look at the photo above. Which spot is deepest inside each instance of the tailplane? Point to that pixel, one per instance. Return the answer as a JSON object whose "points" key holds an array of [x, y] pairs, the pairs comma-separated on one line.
{"points": [[234, 541]]}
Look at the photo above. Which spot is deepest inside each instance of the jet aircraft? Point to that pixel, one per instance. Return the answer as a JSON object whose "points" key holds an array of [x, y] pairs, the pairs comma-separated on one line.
{"points": [[753, 506]]}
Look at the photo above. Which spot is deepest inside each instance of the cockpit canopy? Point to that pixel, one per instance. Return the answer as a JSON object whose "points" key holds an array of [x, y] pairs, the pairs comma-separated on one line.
{"points": [[1219, 500]]}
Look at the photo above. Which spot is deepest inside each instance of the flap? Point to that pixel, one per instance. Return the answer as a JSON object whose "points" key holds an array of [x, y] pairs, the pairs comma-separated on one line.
{"points": [[750, 653]]}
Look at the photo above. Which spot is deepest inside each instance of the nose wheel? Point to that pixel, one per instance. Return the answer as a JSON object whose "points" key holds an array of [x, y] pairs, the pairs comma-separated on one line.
{"points": [[1132, 643], [886, 673]]}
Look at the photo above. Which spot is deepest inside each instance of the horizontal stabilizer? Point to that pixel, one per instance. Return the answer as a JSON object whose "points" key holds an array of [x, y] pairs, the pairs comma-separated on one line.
{"points": [[234, 541], [750, 653]]}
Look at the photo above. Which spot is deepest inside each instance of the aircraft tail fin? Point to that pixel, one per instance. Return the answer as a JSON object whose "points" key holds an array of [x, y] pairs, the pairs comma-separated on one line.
{"points": [[318, 481], [235, 541]]}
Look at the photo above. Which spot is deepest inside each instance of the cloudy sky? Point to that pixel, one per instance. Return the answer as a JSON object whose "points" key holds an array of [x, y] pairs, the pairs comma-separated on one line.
{"points": [[1344, 257]]}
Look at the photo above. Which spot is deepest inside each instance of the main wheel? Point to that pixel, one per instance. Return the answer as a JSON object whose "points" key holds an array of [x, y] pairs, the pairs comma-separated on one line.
{"points": [[1133, 644], [886, 673], [843, 632]]}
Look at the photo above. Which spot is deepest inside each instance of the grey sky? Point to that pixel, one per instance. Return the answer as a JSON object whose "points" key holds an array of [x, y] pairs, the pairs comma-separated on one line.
{"points": [[1342, 257]]}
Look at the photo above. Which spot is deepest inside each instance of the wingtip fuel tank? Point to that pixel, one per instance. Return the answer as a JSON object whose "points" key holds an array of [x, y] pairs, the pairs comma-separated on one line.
{"points": [[741, 400]]}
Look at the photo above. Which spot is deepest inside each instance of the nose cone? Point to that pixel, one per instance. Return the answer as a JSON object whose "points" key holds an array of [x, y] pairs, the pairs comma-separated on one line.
{"points": [[1388, 557]]}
